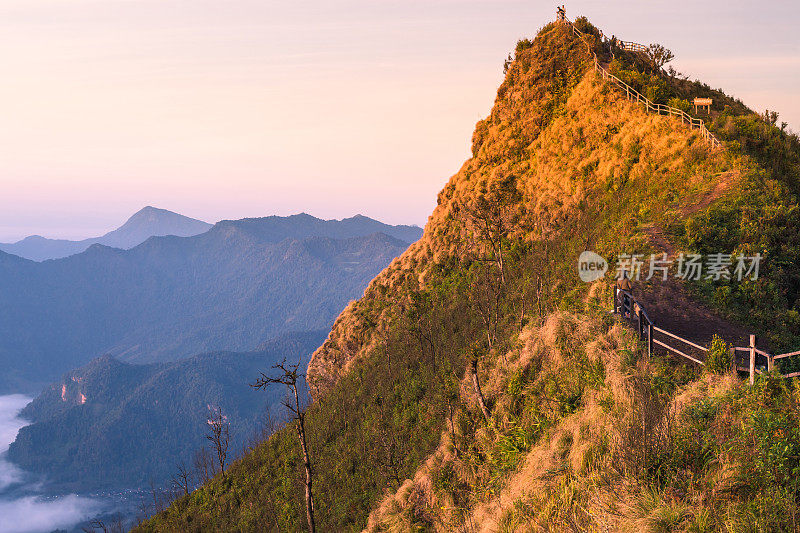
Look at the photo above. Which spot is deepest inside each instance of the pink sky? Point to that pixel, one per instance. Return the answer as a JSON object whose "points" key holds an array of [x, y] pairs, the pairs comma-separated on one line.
{"points": [[254, 107]]}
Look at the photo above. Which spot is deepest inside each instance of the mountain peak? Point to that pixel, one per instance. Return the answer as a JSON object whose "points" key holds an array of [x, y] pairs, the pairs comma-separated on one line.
{"points": [[152, 222], [156, 215], [145, 223], [149, 210]]}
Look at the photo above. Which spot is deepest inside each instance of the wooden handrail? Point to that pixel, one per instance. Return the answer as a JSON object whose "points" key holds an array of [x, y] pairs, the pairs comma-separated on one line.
{"points": [[690, 343], [694, 123], [781, 356], [628, 301], [631, 46], [627, 305], [656, 341], [631, 308]]}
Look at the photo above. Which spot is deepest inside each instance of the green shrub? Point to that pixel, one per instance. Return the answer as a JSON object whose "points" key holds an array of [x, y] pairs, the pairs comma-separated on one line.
{"points": [[680, 103], [719, 359], [583, 24], [522, 45]]}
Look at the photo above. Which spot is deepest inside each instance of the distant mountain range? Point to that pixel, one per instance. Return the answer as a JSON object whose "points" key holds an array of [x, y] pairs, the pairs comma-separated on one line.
{"points": [[230, 288], [116, 425], [146, 223]]}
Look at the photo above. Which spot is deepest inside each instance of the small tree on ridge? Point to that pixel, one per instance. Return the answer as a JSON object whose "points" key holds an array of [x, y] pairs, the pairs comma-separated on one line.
{"points": [[288, 376]]}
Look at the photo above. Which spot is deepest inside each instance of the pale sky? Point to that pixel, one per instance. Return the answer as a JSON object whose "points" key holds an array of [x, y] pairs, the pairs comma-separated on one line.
{"points": [[235, 108]]}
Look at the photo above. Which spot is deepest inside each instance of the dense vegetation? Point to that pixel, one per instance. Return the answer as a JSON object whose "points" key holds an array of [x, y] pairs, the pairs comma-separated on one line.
{"points": [[112, 425], [231, 288], [760, 216], [584, 432]]}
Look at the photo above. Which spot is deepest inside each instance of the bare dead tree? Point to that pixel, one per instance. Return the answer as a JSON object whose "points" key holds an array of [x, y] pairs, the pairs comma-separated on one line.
{"points": [[491, 224], [117, 524], [143, 511], [421, 326], [492, 217], [203, 465], [390, 459], [476, 352], [160, 498], [182, 479], [487, 298], [453, 435], [220, 436], [288, 376], [387, 440]]}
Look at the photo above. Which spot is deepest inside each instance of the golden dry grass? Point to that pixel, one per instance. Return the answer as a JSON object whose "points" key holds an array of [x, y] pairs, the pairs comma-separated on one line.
{"points": [[580, 152], [567, 481]]}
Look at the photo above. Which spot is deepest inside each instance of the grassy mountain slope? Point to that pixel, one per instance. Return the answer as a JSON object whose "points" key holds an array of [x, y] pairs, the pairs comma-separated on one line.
{"points": [[563, 164], [588, 434]]}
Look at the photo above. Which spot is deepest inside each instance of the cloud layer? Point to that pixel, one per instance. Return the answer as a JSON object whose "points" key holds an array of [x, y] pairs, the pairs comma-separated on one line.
{"points": [[32, 513]]}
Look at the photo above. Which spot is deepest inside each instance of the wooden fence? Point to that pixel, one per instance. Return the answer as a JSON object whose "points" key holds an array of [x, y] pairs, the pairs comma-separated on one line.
{"points": [[633, 95], [631, 46], [632, 310]]}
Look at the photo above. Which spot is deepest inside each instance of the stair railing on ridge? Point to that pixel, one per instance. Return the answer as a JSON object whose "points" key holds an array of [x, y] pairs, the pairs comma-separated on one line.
{"points": [[631, 46], [624, 303], [629, 308], [633, 95]]}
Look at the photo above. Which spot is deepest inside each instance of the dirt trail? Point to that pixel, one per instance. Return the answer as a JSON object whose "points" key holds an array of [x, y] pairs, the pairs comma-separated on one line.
{"points": [[724, 181], [670, 305]]}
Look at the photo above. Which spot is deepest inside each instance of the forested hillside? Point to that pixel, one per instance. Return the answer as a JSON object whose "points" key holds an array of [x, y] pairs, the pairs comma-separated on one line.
{"points": [[113, 425], [231, 288], [480, 385]]}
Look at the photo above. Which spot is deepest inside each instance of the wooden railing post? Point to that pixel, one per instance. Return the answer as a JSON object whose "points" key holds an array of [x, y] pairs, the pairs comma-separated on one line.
{"points": [[649, 339], [770, 363], [638, 311], [752, 359]]}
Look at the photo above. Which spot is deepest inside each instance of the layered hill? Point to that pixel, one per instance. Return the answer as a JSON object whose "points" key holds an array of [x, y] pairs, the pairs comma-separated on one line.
{"points": [[145, 223], [579, 430], [230, 288], [116, 425]]}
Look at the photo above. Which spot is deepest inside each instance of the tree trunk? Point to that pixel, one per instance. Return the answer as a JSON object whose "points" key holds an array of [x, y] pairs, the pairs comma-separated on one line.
{"points": [[501, 262], [473, 369], [301, 434], [307, 464]]}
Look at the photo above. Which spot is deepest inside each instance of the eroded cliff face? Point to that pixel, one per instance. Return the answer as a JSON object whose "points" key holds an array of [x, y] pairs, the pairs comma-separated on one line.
{"points": [[557, 140]]}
